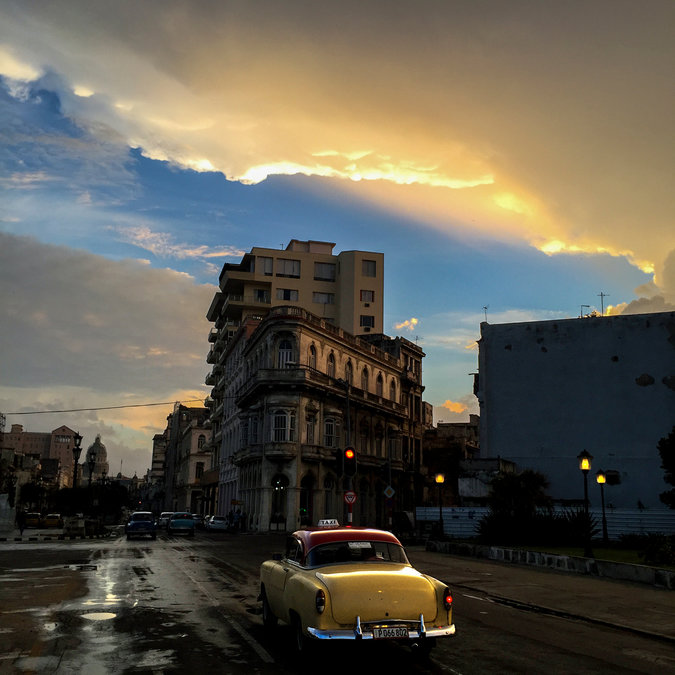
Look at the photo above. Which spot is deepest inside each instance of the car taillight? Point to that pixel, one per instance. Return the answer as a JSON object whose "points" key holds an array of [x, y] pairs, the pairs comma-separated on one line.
{"points": [[320, 601], [447, 599]]}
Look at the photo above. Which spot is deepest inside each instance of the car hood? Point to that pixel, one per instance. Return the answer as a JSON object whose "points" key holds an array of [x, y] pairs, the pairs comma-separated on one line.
{"points": [[378, 591]]}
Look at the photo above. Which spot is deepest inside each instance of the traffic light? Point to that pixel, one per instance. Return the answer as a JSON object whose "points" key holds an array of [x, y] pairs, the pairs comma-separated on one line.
{"points": [[349, 461]]}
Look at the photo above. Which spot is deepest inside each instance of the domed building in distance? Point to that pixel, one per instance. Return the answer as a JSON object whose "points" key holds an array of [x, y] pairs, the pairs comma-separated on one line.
{"points": [[96, 457]]}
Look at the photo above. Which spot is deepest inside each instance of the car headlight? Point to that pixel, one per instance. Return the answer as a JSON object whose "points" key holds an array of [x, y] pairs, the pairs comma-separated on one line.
{"points": [[320, 600], [447, 599]]}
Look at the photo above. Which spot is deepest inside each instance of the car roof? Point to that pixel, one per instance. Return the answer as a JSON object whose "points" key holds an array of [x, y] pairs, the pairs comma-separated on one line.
{"points": [[316, 536], [143, 513]]}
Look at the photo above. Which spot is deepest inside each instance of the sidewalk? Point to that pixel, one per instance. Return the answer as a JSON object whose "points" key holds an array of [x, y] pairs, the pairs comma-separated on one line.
{"points": [[627, 605]]}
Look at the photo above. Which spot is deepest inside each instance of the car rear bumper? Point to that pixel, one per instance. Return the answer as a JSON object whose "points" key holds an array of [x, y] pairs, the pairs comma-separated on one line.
{"points": [[360, 632]]}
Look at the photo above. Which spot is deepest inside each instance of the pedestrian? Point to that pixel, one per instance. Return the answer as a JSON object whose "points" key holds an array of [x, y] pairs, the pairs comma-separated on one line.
{"points": [[21, 521]]}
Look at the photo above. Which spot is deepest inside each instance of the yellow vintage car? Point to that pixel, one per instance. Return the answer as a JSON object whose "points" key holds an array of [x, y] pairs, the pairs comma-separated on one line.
{"points": [[350, 583]]}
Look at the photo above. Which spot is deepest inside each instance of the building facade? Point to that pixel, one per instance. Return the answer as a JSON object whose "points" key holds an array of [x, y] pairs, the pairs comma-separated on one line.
{"points": [[550, 389], [298, 390]]}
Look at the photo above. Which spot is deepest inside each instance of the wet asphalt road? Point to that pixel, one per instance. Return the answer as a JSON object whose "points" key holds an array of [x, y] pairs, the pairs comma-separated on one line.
{"points": [[182, 606]]}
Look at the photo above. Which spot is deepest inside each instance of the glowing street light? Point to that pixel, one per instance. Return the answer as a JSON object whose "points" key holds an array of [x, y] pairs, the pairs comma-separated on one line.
{"points": [[585, 459], [601, 479], [440, 479]]}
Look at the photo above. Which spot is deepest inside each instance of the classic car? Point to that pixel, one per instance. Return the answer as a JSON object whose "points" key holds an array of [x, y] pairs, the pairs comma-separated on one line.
{"points": [[33, 520], [181, 523], [217, 524], [53, 520], [141, 523], [163, 520], [350, 583]]}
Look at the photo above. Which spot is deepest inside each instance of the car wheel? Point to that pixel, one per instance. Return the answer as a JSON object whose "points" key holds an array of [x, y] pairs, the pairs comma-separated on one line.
{"points": [[154, 536], [269, 620], [128, 537], [302, 642]]}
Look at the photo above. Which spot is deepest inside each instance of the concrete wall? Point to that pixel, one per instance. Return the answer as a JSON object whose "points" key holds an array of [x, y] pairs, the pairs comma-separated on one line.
{"points": [[550, 389]]}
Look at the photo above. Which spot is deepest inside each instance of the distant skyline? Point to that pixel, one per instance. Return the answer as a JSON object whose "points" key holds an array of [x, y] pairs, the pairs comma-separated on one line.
{"points": [[510, 159]]}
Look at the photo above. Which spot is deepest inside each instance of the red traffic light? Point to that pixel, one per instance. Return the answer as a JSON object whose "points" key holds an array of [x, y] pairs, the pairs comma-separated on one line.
{"points": [[349, 453], [349, 456]]}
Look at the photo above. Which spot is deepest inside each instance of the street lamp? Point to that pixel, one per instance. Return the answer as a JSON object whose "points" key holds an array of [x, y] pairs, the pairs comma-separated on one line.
{"points": [[77, 451], [585, 459], [440, 479], [601, 479], [91, 463]]}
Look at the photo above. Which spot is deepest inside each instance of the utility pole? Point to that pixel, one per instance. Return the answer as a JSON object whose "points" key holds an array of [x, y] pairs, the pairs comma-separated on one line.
{"points": [[602, 297]]}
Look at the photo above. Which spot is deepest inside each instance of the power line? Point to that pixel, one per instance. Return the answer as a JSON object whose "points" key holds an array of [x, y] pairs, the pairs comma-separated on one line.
{"points": [[110, 407]]}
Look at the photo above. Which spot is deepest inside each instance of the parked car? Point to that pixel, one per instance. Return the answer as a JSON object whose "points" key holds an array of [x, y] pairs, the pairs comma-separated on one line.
{"points": [[163, 520], [181, 523], [217, 524], [141, 524], [199, 521], [53, 520], [33, 520], [349, 583]]}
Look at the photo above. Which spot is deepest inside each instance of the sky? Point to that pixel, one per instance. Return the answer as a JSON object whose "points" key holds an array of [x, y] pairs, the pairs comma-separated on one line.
{"points": [[513, 160]]}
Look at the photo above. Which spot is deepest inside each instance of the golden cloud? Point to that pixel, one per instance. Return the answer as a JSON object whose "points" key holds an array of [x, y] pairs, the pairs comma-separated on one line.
{"points": [[455, 407]]}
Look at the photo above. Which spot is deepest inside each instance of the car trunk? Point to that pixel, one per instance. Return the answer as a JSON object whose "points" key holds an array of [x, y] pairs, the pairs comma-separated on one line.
{"points": [[378, 592]]}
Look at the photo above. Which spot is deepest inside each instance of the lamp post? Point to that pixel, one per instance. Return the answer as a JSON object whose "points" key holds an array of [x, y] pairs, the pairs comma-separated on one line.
{"points": [[77, 451], [585, 459], [91, 464], [440, 479], [601, 479]]}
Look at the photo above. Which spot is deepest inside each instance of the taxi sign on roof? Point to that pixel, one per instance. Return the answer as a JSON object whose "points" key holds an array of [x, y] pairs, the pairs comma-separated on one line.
{"points": [[328, 522]]}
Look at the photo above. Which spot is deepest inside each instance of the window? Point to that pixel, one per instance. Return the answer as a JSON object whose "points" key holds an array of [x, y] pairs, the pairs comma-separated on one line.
{"points": [[243, 434], [330, 432], [264, 265], [287, 294], [199, 469], [331, 365], [368, 268], [285, 354], [288, 268], [324, 271], [283, 426], [253, 427], [349, 373], [392, 390], [367, 321], [323, 298], [367, 296], [310, 422], [364, 379], [311, 362], [378, 385], [261, 295], [200, 441]]}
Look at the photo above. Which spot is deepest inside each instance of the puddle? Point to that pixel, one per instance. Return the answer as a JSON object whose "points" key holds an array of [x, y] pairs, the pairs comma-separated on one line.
{"points": [[99, 616], [49, 627]]}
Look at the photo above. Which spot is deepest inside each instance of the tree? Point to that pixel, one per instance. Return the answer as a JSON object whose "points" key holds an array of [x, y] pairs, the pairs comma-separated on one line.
{"points": [[666, 448]]}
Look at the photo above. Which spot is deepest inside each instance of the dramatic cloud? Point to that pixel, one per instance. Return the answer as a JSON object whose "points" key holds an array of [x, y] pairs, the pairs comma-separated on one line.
{"points": [[81, 331], [408, 324], [545, 123]]}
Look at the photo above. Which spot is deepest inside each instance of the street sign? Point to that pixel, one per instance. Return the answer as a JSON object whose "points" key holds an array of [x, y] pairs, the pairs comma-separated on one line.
{"points": [[389, 492], [350, 497]]}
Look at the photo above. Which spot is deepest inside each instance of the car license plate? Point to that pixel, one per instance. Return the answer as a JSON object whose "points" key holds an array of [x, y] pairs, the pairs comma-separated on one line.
{"points": [[390, 633]]}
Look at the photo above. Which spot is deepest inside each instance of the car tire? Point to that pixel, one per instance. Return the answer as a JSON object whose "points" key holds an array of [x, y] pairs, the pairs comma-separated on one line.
{"points": [[154, 536], [302, 643], [268, 618], [128, 537]]}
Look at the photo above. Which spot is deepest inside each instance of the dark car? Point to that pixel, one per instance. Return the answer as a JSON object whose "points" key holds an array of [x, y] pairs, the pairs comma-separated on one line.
{"points": [[181, 523], [141, 524]]}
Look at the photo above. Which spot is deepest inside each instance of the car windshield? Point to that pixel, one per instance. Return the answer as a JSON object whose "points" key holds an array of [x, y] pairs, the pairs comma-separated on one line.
{"points": [[141, 516], [181, 516], [356, 551], [218, 519]]}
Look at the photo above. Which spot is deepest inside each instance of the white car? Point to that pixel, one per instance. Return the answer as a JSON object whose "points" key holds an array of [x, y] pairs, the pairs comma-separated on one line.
{"points": [[164, 517], [217, 523]]}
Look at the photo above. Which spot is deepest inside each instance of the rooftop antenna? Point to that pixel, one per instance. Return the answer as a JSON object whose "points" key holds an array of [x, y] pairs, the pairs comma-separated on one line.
{"points": [[581, 310], [485, 309], [602, 297]]}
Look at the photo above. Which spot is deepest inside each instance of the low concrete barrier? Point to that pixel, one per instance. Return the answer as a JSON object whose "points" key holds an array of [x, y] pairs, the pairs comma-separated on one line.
{"points": [[654, 576]]}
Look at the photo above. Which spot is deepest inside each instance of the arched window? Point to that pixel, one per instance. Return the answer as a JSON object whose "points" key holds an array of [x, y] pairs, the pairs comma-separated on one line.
{"points": [[331, 365], [364, 379], [285, 354], [392, 390], [312, 357], [201, 440], [378, 385], [283, 426], [349, 373]]}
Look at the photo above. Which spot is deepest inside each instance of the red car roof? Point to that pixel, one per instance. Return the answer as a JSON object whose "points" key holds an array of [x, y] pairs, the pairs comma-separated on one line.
{"points": [[316, 536]]}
